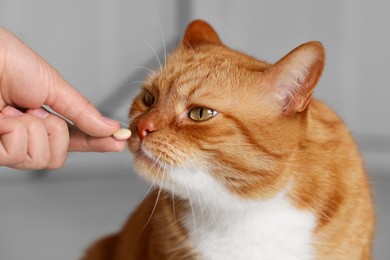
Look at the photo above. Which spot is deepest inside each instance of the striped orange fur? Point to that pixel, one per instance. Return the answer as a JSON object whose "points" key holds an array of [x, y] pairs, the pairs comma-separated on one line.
{"points": [[267, 136]]}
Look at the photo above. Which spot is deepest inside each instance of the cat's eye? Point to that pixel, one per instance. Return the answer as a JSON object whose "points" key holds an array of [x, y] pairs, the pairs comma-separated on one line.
{"points": [[201, 113], [148, 99]]}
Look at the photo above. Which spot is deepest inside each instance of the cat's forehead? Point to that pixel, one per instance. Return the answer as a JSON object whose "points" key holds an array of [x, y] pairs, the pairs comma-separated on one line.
{"points": [[189, 71]]}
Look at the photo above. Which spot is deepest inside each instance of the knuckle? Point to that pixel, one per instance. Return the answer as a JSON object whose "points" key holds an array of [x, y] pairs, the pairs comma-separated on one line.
{"points": [[34, 124], [16, 151], [39, 165], [57, 164], [41, 162], [19, 125], [59, 125], [16, 157]]}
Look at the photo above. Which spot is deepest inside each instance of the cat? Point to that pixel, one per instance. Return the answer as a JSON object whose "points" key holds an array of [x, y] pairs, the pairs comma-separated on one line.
{"points": [[247, 164]]}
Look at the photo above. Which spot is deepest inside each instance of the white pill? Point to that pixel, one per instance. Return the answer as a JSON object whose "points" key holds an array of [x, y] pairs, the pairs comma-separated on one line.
{"points": [[122, 134]]}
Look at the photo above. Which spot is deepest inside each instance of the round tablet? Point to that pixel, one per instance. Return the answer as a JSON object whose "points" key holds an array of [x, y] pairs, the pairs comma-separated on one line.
{"points": [[122, 134]]}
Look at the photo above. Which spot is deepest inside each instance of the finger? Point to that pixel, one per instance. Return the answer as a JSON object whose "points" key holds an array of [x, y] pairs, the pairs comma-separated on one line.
{"points": [[81, 142], [13, 141], [27, 72], [58, 136], [38, 150], [70, 103], [9, 111]]}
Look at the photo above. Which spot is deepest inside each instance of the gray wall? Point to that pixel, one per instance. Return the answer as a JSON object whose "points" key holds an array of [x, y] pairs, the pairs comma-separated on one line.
{"points": [[99, 47], [356, 35]]}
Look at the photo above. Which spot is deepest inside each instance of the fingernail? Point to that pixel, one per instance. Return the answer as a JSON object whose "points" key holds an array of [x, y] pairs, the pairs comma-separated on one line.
{"points": [[39, 112], [11, 111], [109, 121]]}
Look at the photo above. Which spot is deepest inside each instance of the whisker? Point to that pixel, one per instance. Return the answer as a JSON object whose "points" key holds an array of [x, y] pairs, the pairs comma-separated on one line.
{"points": [[163, 38], [192, 210], [154, 179], [135, 82], [201, 207], [145, 68], [154, 51], [173, 198], [155, 204], [193, 51], [123, 123], [211, 212]]}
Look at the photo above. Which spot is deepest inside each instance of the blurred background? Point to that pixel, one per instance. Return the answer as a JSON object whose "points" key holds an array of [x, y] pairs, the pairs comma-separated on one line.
{"points": [[101, 47]]}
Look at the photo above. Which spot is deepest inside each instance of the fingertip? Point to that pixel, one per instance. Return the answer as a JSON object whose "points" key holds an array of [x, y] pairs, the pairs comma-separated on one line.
{"points": [[94, 124], [11, 112], [109, 125], [119, 146], [108, 144], [38, 112]]}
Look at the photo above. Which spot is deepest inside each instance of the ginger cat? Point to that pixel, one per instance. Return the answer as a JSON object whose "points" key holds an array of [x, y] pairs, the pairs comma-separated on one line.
{"points": [[247, 165]]}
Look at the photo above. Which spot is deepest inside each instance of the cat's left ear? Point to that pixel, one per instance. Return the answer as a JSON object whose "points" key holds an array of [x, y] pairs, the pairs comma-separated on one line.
{"points": [[200, 32], [292, 79]]}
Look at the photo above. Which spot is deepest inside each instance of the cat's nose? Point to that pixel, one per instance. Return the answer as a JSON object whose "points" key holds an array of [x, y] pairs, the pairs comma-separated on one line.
{"points": [[145, 127]]}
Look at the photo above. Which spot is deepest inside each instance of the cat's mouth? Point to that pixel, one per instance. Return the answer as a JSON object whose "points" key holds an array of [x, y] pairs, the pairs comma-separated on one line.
{"points": [[155, 158], [154, 152], [138, 148]]}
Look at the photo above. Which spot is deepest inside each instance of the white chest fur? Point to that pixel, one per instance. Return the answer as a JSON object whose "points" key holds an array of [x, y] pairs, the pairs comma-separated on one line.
{"points": [[222, 226], [273, 230]]}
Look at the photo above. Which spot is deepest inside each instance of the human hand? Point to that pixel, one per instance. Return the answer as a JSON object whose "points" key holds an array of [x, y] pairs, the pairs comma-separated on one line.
{"points": [[35, 138]]}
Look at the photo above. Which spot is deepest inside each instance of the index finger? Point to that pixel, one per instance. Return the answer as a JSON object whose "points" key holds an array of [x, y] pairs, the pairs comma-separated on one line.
{"points": [[68, 102]]}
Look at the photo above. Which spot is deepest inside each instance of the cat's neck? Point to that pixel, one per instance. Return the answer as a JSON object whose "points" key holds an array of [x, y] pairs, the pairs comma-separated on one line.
{"points": [[216, 228], [203, 193]]}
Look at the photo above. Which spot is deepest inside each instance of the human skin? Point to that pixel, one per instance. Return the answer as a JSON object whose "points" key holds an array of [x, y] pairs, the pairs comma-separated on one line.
{"points": [[31, 137]]}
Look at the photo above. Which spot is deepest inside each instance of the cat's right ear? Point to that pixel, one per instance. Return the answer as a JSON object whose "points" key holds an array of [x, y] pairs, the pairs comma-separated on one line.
{"points": [[200, 32], [292, 79]]}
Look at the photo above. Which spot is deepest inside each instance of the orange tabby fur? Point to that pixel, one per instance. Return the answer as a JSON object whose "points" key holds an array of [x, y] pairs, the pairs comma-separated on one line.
{"points": [[266, 138]]}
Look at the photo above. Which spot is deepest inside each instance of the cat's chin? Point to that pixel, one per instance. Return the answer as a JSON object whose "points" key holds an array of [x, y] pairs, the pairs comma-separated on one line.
{"points": [[144, 159], [148, 167], [141, 156]]}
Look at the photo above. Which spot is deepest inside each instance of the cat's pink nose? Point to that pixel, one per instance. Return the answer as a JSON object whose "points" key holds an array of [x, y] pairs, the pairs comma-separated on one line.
{"points": [[145, 127]]}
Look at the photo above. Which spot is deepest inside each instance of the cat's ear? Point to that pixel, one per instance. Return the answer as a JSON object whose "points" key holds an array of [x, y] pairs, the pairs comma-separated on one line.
{"points": [[200, 32], [292, 79]]}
